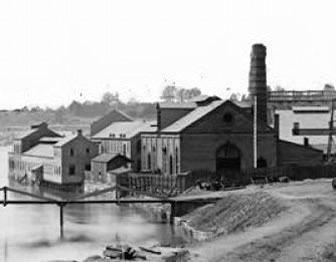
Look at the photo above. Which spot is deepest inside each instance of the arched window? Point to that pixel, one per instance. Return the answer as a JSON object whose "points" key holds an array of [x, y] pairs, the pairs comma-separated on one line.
{"points": [[164, 159], [170, 164], [177, 160], [149, 161], [138, 146], [261, 162]]}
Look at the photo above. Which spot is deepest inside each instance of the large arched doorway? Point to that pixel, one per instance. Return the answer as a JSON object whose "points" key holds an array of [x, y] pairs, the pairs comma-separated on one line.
{"points": [[227, 159]]}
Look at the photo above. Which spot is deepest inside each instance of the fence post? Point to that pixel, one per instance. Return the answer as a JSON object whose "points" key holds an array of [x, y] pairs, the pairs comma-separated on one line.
{"points": [[5, 196], [172, 212]]}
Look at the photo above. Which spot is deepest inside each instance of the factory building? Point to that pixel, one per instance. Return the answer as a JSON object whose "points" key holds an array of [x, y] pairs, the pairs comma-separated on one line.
{"points": [[218, 136]]}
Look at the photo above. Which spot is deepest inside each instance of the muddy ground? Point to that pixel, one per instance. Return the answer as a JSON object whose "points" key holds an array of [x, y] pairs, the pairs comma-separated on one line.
{"points": [[304, 231]]}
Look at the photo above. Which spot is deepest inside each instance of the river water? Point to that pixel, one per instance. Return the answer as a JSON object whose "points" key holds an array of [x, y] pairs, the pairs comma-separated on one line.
{"points": [[30, 233]]}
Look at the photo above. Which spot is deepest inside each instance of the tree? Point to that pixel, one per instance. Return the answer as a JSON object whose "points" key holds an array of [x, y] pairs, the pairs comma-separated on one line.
{"points": [[279, 88], [172, 93], [195, 91], [75, 108], [169, 93], [109, 98], [234, 97], [329, 87]]}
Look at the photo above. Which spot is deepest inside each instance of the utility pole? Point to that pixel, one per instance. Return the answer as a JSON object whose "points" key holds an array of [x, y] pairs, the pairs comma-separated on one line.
{"points": [[255, 131], [331, 130]]}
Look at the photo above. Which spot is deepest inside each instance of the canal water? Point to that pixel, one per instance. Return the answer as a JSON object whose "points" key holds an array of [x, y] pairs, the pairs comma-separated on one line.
{"points": [[30, 233]]}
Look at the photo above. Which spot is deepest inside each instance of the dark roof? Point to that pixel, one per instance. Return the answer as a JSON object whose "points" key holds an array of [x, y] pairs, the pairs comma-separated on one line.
{"points": [[324, 147], [25, 133], [108, 157], [302, 146]]}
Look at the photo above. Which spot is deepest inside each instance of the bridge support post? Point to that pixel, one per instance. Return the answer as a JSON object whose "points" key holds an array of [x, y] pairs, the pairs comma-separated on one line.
{"points": [[172, 212], [61, 206], [117, 194], [5, 196]]}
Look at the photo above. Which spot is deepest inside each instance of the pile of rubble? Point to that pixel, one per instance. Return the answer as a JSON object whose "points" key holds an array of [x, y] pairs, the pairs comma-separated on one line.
{"points": [[122, 252]]}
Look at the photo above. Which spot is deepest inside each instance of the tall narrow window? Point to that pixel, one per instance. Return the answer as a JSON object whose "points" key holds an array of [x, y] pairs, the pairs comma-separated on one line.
{"points": [[177, 160], [124, 149], [72, 170], [72, 153], [149, 161], [170, 164]]}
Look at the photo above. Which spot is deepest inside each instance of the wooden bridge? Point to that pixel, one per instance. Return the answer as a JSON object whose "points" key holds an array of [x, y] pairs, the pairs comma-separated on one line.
{"points": [[61, 203]]}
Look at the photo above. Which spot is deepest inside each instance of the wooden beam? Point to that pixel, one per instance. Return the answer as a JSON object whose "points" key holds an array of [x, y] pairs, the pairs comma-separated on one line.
{"points": [[312, 132]]}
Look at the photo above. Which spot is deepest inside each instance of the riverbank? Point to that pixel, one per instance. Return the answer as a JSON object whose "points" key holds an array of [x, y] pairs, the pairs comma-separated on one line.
{"points": [[279, 222]]}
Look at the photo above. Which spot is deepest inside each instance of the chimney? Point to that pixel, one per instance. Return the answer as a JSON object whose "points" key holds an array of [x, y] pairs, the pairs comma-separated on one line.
{"points": [[158, 115], [257, 80], [79, 132], [306, 141], [276, 124]]}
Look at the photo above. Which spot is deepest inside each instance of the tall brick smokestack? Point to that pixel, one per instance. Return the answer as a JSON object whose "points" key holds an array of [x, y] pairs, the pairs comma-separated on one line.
{"points": [[257, 80]]}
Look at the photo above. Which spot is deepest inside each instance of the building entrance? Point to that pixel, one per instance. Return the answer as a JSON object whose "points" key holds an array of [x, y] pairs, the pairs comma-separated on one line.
{"points": [[227, 159]]}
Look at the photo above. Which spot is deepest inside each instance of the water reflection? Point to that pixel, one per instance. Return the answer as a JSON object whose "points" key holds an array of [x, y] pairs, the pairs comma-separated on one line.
{"points": [[31, 232]]}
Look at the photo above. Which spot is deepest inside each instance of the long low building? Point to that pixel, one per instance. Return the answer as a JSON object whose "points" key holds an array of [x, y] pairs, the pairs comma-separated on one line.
{"points": [[44, 157]]}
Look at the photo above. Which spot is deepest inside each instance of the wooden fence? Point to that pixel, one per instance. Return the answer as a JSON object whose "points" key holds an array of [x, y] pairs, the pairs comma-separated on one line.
{"points": [[172, 185], [156, 184]]}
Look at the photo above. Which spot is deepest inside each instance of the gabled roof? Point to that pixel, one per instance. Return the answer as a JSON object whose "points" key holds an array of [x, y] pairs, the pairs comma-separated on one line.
{"points": [[202, 111], [65, 140], [107, 157], [25, 133], [192, 117], [35, 128], [125, 129]]}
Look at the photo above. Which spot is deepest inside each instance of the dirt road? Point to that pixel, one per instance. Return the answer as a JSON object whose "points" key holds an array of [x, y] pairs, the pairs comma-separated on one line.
{"points": [[301, 233]]}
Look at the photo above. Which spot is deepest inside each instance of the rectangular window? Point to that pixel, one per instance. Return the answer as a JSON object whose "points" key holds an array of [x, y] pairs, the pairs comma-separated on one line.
{"points": [[72, 170]]}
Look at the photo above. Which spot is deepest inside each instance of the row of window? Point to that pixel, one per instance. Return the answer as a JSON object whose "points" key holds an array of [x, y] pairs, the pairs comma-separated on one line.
{"points": [[115, 147], [72, 151], [21, 165], [47, 168], [171, 167]]}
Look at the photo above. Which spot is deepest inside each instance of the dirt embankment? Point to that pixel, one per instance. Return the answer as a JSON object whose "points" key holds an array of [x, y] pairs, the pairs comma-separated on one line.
{"points": [[294, 222], [236, 212]]}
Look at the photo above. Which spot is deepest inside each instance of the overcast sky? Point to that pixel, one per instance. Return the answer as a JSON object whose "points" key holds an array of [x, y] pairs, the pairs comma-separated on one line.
{"points": [[52, 52]]}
